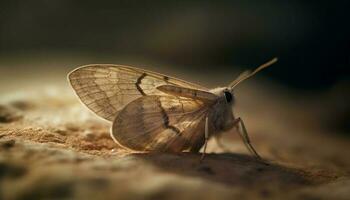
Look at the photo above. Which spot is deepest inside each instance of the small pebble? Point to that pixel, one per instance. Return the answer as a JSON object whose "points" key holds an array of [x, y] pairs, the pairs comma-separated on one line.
{"points": [[22, 105], [61, 132], [114, 151], [72, 127], [89, 135], [8, 115], [7, 144]]}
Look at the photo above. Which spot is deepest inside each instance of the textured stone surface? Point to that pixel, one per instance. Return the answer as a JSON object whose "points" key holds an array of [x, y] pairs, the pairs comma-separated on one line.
{"points": [[52, 146]]}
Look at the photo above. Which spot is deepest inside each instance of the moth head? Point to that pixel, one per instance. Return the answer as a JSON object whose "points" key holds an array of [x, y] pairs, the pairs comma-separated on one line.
{"points": [[247, 74], [228, 96]]}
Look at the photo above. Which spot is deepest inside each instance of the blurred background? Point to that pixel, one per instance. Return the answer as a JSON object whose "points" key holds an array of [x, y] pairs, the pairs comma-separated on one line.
{"points": [[310, 38]]}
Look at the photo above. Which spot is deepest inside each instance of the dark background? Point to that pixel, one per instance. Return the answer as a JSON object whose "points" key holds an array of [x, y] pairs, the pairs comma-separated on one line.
{"points": [[311, 38]]}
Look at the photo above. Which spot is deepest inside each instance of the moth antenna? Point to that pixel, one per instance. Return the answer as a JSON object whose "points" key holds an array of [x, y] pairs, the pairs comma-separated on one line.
{"points": [[247, 74]]}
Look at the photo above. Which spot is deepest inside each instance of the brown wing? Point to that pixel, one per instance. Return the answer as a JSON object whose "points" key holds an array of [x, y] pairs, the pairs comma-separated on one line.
{"points": [[187, 92], [106, 88], [161, 123]]}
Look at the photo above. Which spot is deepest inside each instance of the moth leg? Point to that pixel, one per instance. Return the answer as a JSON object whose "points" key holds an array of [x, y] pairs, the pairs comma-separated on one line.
{"points": [[245, 138], [206, 137]]}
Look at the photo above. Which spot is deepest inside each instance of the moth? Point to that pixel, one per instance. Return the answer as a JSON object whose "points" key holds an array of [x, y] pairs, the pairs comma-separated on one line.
{"points": [[150, 111]]}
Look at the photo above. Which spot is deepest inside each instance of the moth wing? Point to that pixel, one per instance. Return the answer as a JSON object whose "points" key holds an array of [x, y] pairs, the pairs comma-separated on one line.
{"points": [[106, 89], [188, 92], [161, 123]]}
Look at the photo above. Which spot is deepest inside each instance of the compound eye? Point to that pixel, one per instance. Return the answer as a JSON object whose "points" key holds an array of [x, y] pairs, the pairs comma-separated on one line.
{"points": [[228, 96]]}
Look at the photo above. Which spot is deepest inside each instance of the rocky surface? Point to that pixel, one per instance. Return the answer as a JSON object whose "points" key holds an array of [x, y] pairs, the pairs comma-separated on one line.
{"points": [[53, 147]]}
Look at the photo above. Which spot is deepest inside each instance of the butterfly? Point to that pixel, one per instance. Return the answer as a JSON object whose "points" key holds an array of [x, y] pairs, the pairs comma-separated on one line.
{"points": [[150, 111]]}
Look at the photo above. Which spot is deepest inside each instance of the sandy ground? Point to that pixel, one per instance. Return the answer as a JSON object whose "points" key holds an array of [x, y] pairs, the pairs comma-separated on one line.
{"points": [[53, 147]]}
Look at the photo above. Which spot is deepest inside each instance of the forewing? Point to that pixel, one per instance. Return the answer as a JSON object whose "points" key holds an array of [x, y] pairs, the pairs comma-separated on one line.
{"points": [[160, 123], [106, 88], [187, 92]]}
